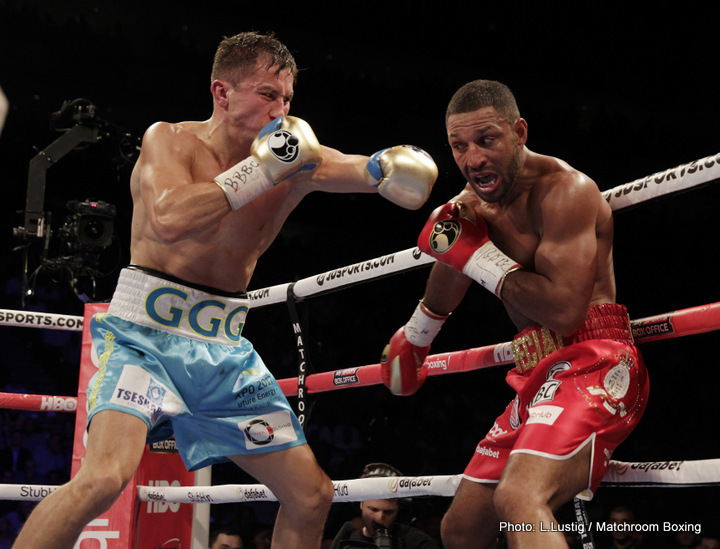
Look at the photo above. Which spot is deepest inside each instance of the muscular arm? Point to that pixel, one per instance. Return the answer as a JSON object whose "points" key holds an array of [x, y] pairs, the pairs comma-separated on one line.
{"points": [[445, 289], [175, 206], [338, 173], [558, 290], [403, 174]]}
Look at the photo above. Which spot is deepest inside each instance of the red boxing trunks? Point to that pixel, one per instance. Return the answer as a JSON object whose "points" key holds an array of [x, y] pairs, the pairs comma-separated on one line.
{"points": [[591, 388]]}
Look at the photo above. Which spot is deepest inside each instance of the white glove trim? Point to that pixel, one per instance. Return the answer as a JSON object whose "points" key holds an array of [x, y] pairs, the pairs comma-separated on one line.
{"points": [[488, 266], [243, 182], [423, 326]]}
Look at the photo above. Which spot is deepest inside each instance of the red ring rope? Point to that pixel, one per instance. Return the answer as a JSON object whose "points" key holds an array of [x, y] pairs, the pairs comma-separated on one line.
{"points": [[685, 322], [691, 321]]}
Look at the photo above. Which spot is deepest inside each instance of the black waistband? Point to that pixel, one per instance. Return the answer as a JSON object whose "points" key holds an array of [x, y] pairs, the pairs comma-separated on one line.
{"points": [[176, 280]]}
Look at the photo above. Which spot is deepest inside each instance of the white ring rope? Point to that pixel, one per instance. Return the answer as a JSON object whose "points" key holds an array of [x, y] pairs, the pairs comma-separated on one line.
{"points": [[345, 490], [682, 177], [642, 474], [33, 319], [679, 178]]}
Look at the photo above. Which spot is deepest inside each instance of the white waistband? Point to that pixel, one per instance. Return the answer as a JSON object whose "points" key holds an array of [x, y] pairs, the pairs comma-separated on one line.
{"points": [[177, 309]]}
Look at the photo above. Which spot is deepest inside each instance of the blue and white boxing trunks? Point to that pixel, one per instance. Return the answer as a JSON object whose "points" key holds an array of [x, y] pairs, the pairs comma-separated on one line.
{"points": [[173, 356]]}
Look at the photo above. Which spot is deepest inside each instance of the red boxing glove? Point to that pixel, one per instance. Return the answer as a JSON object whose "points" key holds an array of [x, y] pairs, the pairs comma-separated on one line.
{"points": [[402, 368], [465, 246], [403, 371]]}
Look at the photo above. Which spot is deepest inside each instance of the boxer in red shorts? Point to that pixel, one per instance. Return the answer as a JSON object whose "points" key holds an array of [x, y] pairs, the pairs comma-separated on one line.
{"points": [[591, 392], [539, 235]]}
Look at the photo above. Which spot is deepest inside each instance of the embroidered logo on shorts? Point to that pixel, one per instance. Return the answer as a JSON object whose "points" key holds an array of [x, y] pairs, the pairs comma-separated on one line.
{"points": [[488, 452], [546, 414], [496, 431], [546, 393], [617, 381], [259, 432], [138, 390], [616, 385], [273, 429], [156, 392], [240, 381]]}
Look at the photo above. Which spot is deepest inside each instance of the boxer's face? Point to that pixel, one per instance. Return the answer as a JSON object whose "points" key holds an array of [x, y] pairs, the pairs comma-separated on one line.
{"points": [[486, 148], [260, 98]]}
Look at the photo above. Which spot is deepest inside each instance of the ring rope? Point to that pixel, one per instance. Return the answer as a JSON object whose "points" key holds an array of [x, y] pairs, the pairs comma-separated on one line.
{"points": [[651, 474], [676, 324], [38, 403], [679, 178], [672, 180], [33, 319], [684, 322]]}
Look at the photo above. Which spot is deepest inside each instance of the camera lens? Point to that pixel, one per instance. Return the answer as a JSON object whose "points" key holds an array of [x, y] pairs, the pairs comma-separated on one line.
{"points": [[95, 231]]}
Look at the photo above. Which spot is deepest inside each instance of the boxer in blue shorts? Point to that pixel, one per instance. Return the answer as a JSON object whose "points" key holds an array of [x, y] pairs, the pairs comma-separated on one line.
{"points": [[143, 372], [209, 197], [537, 234]]}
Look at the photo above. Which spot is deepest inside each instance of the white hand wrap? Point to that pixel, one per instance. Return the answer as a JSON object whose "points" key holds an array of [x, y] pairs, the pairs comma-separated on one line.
{"points": [[489, 266], [423, 326], [284, 147], [244, 181]]}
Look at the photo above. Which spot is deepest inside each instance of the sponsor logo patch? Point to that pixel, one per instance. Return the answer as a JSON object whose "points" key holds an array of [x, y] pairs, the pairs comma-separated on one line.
{"points": [[138, 390], [617, 381], [345, 377], [268, 430], [546, 414]]}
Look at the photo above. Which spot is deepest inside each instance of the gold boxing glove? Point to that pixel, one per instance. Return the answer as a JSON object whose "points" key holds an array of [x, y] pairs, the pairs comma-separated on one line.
{"points": [[403, 174], [283, 148]]}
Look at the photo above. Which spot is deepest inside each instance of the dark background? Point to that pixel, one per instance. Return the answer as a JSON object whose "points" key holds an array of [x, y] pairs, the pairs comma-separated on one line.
{"points": [[619, 93]]}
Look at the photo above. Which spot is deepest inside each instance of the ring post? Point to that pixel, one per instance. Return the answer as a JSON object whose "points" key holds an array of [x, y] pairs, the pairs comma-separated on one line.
{"points": [[113, 528], [130, 524]]}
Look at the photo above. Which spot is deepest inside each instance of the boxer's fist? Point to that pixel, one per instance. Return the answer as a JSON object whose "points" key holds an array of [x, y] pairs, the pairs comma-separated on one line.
{"points": [[402, 368], [451, 238], [464, 245], [403, 371], [283, 148], [403, 174]]}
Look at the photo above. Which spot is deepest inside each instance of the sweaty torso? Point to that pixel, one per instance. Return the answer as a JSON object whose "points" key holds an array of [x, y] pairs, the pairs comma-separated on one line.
{"points": [[222, 254], [518, 227]]}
